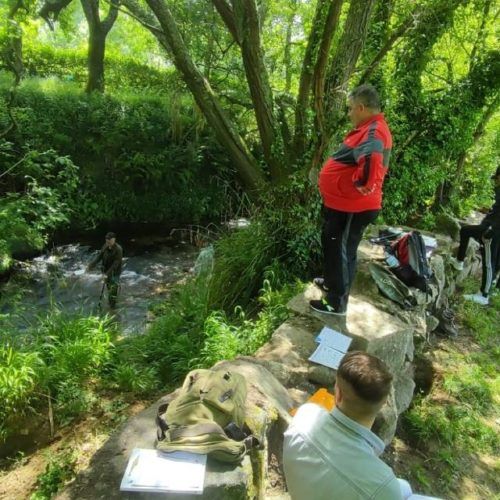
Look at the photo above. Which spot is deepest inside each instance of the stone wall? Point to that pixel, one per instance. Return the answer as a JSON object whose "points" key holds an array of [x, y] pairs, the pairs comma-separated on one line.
{"points": [[280, 377]]}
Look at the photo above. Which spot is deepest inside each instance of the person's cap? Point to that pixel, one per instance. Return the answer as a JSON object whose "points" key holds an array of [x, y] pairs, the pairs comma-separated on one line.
{"points": [[496, 174], [110, 235]]}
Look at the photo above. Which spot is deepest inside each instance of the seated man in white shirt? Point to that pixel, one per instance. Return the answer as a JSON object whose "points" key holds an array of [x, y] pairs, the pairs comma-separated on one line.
{"points": [[334, 455]]}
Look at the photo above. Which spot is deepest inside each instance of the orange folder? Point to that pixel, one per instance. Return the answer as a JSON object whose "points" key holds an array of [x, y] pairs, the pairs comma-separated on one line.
{"points": [[321, 397]]}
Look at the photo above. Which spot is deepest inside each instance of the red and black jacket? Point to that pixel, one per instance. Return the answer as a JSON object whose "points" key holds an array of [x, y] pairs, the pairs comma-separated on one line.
{"points": [[362, 160]]}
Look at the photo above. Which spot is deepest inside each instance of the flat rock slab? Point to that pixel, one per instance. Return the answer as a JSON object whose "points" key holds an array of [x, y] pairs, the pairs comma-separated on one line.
{"points": [[268, 403], [103, 477], [371, 329]]}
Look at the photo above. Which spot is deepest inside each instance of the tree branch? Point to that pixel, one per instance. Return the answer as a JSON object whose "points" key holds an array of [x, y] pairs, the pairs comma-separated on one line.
{"points": [[226, 13], [204, 96], [248, 25], [341, 68], [410, 22], [306, 76], [320, 67], [53, 7], [480, 34], [91, 11], [110, 19], [146, 19]]}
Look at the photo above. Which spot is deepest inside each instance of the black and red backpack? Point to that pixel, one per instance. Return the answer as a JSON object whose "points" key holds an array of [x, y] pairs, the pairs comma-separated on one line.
{"points": [[413, 269]]}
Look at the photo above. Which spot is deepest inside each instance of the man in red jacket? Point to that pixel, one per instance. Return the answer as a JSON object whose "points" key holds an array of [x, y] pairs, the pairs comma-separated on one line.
{"points": [[350, 184]]}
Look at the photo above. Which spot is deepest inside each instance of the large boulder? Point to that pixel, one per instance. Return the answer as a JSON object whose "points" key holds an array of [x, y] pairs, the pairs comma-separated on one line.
{"points": [[267, 409], [372, 330]]}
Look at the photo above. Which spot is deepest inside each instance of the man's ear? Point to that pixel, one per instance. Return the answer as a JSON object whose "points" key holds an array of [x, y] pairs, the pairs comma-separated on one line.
{"points": [[338, 393]]}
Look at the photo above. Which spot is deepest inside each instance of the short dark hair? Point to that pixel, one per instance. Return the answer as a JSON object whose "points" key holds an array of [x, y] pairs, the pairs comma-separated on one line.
{"points": [[110, 235], [367, 375], [367, 95]]}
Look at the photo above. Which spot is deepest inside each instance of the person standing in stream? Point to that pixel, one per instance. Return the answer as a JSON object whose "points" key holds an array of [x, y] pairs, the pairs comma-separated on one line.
{"points": [[350, 184], [111, 257]]}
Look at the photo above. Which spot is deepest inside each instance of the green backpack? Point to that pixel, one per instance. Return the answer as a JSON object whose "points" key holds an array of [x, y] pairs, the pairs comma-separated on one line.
{"points": [[392, 287], [207, 417]]}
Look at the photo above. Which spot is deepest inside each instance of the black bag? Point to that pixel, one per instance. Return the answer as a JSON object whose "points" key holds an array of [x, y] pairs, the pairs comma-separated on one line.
{"points": [[413, 269]]}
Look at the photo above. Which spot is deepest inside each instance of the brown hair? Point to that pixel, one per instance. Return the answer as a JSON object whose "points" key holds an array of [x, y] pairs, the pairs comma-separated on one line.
{"points": [[367, 375]]}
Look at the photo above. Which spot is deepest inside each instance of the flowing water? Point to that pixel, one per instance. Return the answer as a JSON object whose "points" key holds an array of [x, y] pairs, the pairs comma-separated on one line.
{"points": [[59, 279]]}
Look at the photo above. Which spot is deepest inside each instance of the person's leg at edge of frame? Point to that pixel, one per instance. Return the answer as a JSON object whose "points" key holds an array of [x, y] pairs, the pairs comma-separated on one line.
{"points": [[487, 271], [495, 261], [466, 233], [486, 277]]}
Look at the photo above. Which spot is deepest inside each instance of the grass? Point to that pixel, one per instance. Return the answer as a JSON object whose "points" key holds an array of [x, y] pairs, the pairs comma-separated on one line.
{"points": [[72, 361], [454, 427]]}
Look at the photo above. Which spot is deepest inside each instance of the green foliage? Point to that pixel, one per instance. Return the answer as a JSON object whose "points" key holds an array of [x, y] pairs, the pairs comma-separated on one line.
{"points": [[41, 185], [121, 73], [19, 375], [140, 157], [241, 258], [438, 99], [135, 378], [187, 335], [59, 470], [470, 387], [57, 358], [450, 425], [455, 423], [225, 339]]}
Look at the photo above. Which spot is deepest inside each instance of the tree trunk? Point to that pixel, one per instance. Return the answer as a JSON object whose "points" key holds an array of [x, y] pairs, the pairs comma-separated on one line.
{"points": [[248, 26], [168, 35], [341, 68], [316, 36], [287, 58], [450, 186], [98, 31], [13, 59], [95, 61]]}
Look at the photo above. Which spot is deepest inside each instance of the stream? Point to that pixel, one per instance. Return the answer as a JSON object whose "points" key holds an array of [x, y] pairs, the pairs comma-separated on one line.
{"points": [[58, 278]]}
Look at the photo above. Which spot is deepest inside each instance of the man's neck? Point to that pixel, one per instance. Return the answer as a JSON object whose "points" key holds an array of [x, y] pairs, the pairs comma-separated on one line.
{"points": [[360, 419], [367, 118]]}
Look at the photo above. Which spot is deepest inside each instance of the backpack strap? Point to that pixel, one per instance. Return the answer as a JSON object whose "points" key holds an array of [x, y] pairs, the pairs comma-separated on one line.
{"points": [[195, 430]]}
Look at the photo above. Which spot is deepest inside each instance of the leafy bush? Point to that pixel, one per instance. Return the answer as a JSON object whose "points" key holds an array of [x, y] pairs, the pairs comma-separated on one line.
{"points": [[141, 157], [71, 65], [19, 376], [134, 378], [41, 185], [59, 470], [58, 358]]}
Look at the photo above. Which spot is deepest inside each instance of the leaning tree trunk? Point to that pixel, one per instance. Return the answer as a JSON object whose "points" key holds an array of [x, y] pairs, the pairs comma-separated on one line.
{"points": [[330, 97], [448, 189], [12, 55], [160, 22]]}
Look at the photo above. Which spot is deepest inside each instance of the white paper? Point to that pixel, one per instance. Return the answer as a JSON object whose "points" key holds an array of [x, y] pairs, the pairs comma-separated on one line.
{"points": [[327, 356], [333, 338], [155, 471], [430, 242]]}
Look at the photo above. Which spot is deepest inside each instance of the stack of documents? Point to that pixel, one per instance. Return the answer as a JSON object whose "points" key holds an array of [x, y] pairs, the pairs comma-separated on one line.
{"points": [[155, 471], [331, 349]]}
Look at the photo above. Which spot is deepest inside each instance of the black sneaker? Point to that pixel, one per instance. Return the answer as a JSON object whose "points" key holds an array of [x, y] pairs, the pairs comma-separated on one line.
{"points": [[320, 283], [322, 306]]}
